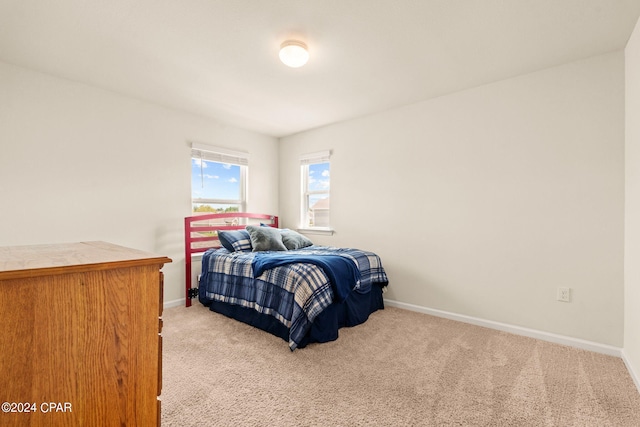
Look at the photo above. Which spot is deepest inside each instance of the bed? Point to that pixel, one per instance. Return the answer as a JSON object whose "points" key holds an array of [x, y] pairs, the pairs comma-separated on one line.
{"points": [[277, 280]]}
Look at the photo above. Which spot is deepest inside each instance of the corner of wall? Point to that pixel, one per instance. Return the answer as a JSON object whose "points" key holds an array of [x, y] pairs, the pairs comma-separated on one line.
{"points": [[631, 346]]}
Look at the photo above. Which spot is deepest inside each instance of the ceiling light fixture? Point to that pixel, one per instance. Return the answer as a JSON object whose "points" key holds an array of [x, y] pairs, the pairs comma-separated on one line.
{"points": [[294, 53]]}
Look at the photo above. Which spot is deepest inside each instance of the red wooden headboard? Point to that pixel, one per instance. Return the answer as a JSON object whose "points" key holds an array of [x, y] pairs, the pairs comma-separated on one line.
{"points": [[201, 233]]}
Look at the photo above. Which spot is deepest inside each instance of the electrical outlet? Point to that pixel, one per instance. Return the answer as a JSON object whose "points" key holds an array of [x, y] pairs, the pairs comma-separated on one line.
{"points": [[564, 294]]}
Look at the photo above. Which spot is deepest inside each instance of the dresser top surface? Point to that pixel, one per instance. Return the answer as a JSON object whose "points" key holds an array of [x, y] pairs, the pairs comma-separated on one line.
{"points": [[35, 260]]}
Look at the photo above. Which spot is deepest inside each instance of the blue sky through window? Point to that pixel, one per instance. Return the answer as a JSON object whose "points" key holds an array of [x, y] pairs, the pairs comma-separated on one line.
{"points": [[319, 177], [213, 180]]}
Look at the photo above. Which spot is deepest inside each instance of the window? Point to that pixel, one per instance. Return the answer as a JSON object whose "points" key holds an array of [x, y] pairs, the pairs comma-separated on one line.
{"points": [[218, 179], [315, 169]]}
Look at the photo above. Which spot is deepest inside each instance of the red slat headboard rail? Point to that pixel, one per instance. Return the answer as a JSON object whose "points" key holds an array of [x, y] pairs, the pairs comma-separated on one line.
{"points": [[201, 233]]}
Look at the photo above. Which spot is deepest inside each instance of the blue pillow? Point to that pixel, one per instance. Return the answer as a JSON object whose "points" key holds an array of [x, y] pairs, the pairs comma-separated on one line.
{"points": [[235, 240]]}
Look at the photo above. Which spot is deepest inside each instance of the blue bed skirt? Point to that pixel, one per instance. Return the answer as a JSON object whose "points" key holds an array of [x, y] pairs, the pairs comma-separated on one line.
{"points": [[352, 311]]}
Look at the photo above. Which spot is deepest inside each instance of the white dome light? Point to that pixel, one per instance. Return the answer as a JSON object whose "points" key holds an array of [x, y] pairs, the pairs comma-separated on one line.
{"points": [[294, 53]]}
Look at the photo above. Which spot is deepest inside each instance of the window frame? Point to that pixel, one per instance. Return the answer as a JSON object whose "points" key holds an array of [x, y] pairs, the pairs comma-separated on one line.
{"points": [[219, 155], [305, 162]]}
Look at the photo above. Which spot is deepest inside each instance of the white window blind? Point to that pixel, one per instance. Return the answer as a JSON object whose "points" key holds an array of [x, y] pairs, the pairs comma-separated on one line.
{"points": [[217, 154], [319, 157]]}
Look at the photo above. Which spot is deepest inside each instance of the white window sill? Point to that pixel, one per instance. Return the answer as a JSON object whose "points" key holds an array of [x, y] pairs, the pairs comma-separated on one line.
{"points": [[321, 231]]}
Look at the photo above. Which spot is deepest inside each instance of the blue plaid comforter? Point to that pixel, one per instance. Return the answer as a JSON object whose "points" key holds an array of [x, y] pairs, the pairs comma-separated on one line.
{"points": [[294, 294]]}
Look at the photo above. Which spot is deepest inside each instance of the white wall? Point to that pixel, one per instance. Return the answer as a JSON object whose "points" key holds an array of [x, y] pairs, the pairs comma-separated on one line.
{"points": [[632, 206], [481, 203], [484, 202], [79, 163]]}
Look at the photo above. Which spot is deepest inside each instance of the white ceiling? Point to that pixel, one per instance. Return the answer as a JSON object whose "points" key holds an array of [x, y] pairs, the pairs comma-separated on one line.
{"points": [[219, 58]]}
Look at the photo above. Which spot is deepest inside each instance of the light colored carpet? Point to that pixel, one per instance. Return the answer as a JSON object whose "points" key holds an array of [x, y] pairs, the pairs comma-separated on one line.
{"points": [[400, 368]]}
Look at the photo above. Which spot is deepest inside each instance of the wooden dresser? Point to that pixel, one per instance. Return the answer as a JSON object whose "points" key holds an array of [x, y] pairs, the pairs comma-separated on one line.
{"points": [[80, 340]]}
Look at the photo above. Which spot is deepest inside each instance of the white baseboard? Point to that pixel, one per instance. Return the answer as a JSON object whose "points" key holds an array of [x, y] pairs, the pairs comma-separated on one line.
{"points": [[518, 330], [174, 303], [632, 372]]}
